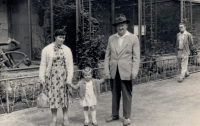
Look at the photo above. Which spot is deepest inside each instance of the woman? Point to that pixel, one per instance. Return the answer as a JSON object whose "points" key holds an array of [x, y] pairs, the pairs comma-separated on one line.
{"points": [[56, 70]]}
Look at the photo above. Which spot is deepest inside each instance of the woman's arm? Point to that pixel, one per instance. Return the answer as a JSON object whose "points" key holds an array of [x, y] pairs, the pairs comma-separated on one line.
{"points": [[74, 86], [42, 68], [70, 67]]}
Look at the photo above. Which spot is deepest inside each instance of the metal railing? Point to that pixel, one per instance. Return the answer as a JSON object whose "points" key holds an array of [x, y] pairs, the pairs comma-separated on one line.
{"points": [[25, 88], [163, 68]]}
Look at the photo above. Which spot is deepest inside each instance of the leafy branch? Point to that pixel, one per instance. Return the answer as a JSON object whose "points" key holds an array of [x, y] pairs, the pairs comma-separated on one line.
{"points": [[90, 45]]}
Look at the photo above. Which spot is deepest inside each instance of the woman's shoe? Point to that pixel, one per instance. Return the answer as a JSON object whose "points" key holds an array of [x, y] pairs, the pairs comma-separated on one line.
{"points": [[180, 80], [86, 124], [65, 122], [187, 75], [95, 124], [53, 123]]}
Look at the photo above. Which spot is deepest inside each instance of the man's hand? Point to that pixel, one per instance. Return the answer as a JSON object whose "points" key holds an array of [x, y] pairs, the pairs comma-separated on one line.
{"points": [[106, 77], [133, 77]]}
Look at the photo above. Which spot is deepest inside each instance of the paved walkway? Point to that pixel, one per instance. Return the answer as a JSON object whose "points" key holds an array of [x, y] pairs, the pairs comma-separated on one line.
{"points": [[162, 103]]}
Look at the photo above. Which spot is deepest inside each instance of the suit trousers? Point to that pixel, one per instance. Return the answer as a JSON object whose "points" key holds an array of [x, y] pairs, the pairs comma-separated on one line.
{"points": [[118, 86], [183, 64]]}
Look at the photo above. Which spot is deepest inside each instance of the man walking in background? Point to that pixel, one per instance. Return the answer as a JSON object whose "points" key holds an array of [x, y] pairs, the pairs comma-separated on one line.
{"points": [[184, 43]]}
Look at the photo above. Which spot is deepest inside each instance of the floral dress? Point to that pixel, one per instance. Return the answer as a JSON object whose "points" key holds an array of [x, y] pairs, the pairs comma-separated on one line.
{"points": [[57, 89]]}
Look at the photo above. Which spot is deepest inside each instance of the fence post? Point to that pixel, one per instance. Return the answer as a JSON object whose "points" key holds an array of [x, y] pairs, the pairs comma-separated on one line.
{"points": [[52, 21], [164, 69], [106, 85], [181, 9], [7, 98]]}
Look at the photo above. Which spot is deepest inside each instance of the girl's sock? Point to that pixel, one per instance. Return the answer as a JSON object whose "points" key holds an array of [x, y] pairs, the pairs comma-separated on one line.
{"points": [[93, 113], [86, 116]]}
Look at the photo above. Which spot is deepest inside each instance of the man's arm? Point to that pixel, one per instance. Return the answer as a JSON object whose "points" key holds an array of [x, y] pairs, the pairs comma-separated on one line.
{"points": [[176, 45], [107, 61], [136, 57], [191, 42]]}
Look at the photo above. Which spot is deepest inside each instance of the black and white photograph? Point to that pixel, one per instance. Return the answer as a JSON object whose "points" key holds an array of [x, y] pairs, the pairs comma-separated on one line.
{"points": [[99, 62]]}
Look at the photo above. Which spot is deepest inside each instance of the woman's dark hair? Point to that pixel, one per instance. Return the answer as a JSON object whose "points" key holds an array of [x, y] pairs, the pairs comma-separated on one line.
{"points": [[59, 32], [182, 23]]}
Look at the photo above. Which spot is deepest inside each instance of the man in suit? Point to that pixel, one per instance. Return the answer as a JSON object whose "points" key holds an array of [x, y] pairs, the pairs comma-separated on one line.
{"points": [[184, 43], [121, 65]]}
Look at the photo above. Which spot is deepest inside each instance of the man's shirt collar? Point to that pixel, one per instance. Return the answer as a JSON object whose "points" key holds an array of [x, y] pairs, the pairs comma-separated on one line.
{"points": [[185, 32], [126, 34]]}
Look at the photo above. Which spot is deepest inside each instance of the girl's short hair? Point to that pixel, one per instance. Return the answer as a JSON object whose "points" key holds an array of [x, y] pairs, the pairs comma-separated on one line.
{"points": [[87, 70], [59, 32]]}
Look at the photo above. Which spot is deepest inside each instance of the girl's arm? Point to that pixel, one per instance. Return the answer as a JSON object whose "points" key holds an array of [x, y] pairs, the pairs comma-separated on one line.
{"points": [[74, 86], [101, 80]]}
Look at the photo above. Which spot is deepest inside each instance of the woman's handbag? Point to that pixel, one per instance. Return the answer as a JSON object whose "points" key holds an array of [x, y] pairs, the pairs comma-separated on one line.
{"points": [[42, 101]]}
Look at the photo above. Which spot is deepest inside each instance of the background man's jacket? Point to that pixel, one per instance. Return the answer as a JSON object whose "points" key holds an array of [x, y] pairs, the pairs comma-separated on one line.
{"points": [[188, 44]]}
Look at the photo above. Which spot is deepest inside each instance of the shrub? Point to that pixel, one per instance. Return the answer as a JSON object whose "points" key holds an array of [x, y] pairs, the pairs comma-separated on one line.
{"points": [[90, 45]]}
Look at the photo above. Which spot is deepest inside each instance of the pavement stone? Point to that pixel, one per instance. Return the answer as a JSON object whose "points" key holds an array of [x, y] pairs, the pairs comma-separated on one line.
{"points": [[160, 103]]}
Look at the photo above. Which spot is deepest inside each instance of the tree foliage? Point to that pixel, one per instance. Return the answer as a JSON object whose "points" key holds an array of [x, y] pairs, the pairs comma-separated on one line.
{"points": [[64, 16], [90, 45]]}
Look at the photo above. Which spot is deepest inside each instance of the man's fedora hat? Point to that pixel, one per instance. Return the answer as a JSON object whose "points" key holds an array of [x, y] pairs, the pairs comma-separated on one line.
{"points": [[120, 19]]}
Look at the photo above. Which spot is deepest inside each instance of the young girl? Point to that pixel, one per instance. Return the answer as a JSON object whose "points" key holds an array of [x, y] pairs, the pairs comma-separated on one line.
{"points": [[89, 89]]}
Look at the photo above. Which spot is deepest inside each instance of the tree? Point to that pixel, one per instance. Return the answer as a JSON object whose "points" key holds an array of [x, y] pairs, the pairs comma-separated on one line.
{"points": [[64, 16], [90, 45]]}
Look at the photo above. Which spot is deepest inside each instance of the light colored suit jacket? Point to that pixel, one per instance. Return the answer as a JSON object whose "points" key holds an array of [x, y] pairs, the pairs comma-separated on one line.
{"points": [[47, 59], [126, 57], [188, 44]]}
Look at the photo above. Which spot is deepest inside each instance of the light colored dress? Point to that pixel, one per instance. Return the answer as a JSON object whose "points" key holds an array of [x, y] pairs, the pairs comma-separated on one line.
{"points": [[90, 98], [56, 81]]}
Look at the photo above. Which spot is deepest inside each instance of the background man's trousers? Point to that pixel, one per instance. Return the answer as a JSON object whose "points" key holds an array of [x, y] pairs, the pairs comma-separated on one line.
{"points": [[118, 86], [183, 65]]}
